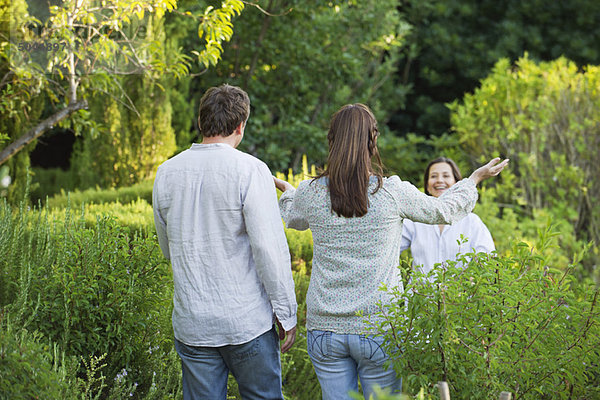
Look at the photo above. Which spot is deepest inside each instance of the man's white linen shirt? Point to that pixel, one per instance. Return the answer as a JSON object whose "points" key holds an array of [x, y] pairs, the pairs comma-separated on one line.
{"points": [[217, 220], [429, 246]]}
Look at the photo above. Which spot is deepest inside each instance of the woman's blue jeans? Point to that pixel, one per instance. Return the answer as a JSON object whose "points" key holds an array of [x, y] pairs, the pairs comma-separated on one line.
{"points": [[255, 365], [340, 360]]}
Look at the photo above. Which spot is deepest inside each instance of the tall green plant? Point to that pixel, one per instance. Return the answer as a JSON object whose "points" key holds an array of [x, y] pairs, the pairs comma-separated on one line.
{"points": [[514, 323], [92, 290]]}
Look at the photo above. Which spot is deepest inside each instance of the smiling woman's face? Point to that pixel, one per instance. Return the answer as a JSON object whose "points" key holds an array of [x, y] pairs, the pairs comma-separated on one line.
{"points": [[440, 179]]}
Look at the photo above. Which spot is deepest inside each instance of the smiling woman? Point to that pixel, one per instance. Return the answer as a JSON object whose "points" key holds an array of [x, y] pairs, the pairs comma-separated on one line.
{"points": [[434, 244], [440, 174]]}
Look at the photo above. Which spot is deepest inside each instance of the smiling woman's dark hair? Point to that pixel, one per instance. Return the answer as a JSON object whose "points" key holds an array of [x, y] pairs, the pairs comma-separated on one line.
{"points": [[353, 159], [450, 162]]}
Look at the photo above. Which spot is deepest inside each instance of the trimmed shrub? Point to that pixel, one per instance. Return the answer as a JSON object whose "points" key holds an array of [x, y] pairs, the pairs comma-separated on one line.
{"points": [[135, 217], [123, 195]]}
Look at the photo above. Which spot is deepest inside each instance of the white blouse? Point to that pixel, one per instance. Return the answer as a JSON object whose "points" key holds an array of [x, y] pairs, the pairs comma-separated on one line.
{"points": [[429, 246]]}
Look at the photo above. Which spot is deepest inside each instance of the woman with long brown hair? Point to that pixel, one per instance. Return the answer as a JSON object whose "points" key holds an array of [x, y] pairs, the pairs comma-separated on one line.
{"points": [[355, 215]]}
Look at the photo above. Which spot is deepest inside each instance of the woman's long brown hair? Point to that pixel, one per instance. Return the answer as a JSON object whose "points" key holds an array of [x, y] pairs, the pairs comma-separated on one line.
{"points": [[353, 159]]}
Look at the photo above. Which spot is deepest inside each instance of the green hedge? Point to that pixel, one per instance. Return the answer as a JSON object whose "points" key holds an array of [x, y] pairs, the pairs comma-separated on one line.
{"points": [[123, 195], [134, 217]]}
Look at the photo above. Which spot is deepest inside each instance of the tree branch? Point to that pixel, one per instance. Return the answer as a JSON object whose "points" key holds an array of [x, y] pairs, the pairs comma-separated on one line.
{"points": [[258, 45], [39, 130]]}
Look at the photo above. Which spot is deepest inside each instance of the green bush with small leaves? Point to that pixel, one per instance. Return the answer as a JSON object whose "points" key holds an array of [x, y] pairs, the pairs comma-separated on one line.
{"points": [[28, 370], [122, 195], [92, 290], [513, 323]]}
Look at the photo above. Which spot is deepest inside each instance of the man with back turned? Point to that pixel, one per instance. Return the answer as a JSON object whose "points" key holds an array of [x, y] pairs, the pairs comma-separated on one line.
{"points": [[217, 220]]}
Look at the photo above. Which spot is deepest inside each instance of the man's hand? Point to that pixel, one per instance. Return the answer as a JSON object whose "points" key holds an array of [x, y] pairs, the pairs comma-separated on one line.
{"points": [[289, 336]]}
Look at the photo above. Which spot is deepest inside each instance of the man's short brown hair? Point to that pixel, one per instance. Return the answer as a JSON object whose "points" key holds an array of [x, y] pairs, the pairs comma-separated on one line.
{"points": [[222, 109]]}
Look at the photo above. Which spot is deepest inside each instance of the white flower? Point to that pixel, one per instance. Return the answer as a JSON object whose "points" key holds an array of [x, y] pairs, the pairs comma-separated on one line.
{"points": [[5, 182]]}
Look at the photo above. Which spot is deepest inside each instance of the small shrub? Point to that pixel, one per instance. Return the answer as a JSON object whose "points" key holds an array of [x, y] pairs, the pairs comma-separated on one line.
{"points": [[512, 323], [31, 368]]}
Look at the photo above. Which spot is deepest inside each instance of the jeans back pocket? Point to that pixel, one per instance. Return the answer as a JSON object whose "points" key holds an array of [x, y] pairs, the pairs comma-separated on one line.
{"points": [[318, 344], [372, 349]]}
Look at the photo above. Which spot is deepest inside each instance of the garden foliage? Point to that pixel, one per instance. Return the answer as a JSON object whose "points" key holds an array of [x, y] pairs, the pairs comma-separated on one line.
{"points": [[122, 195], [85, 306], [94, 291], [545, 118], [516, 323]]}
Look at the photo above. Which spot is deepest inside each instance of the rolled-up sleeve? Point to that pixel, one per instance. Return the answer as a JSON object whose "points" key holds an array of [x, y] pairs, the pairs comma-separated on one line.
{"points": [[269, 245]]}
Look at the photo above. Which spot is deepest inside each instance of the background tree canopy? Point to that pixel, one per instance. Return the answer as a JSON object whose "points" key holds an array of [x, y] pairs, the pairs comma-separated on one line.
{"points": [[413, 62], [454, 44], [299, 60]]}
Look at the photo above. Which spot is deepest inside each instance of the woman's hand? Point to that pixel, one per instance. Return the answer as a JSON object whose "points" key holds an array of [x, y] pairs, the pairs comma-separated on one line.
{"points": [[282, 185], [488, 170]]}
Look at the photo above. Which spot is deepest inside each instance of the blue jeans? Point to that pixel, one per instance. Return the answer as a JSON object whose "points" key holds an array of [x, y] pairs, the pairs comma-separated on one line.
{"points": [[340, 360], [255, 366]]}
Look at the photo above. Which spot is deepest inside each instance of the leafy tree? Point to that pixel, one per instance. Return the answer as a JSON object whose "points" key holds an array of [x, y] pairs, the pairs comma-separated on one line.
{"points": [[455, 43], [544, 117], [302, 60], [81, 50], [133, 137], [17, 105]]}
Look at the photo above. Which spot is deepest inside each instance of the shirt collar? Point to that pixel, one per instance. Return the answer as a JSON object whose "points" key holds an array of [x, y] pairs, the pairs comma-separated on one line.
{"points": [[201, 146]]}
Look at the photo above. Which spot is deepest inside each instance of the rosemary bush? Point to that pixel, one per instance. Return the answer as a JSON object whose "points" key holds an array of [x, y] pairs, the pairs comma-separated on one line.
{"points": [[92, 290]]}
